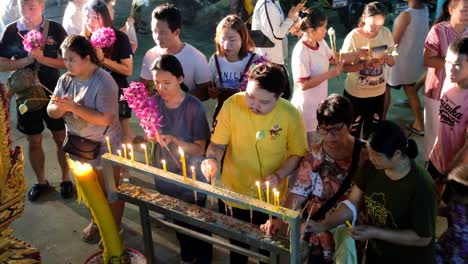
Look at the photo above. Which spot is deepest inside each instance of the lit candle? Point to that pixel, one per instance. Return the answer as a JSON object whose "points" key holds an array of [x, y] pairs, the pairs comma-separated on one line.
{"points": [[120, 154], [164, 165], [143, 146], [182, 160], [210, 173], [125, 150], [93, 196], [274, 196], [194, 178], [339, 56], [259, 191], [130, 150], [108, 145], [132, 158], [267, 183]]}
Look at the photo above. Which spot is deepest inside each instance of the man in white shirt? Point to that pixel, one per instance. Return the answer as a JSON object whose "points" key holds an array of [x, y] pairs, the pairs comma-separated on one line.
{"points": [[166, 26], [73, 17]]}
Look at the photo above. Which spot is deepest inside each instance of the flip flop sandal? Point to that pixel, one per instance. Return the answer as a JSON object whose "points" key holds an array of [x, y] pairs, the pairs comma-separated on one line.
{"points": [[414, 130]]}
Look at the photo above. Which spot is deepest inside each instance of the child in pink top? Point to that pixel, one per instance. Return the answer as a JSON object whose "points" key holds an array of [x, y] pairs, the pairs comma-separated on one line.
{"points": [[453, 111]]}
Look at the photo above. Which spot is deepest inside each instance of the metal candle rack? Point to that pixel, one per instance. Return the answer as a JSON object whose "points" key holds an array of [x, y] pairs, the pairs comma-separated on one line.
{"points": [[288, 215]]}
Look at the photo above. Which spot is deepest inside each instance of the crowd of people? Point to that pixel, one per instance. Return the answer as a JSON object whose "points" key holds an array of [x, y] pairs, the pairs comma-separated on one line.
{"points": [[337, 157]]}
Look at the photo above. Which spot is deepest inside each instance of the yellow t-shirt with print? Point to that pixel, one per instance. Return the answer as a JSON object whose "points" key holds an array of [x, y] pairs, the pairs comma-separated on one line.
{"points": [[236, 126]]}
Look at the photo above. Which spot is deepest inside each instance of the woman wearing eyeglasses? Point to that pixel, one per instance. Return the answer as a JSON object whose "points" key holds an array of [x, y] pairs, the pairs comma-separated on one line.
{"points": [[325, 173]]}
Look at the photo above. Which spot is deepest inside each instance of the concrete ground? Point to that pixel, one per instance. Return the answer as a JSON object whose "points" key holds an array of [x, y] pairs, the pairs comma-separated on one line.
{"points": [[54, 225]]}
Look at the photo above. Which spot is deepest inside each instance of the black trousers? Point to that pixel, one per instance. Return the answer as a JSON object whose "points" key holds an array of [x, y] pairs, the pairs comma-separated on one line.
{"points": [[367, 113], [259, 218]]}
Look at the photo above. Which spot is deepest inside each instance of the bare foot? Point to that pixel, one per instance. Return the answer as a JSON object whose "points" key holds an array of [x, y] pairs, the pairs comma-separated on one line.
{"points": [[90, 232]]}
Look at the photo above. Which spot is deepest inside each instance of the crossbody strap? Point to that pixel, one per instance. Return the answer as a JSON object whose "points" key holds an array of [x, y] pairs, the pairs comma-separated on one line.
{"points": [[269, 22], [330, 203], [245, 72], [218, 69], [45, 31]]}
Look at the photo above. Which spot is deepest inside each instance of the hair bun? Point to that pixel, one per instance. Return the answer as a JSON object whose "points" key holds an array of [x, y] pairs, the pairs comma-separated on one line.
{"points": [[302, 14]]}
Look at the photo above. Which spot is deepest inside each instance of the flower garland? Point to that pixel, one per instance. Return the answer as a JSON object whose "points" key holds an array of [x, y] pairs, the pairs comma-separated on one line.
{"points": [[103, 38]]}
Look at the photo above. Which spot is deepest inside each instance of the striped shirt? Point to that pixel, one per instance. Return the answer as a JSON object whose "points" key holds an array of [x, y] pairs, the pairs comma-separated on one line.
{"points": [[439, 38]]}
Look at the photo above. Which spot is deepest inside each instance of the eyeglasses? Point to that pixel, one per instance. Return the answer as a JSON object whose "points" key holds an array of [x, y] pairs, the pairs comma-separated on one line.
{"points": [[334, 130]]}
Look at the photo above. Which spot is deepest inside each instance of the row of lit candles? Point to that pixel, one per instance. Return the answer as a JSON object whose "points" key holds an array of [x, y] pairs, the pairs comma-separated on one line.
{"points": [[276, 194]]}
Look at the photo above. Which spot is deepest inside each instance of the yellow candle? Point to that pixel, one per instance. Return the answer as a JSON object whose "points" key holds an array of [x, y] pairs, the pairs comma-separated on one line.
{"points": [[277, 198], [143, 146], [164, 165], [108, 145], [93, 196], [339, 56], [125, 150], [348, 224], [130, 150], [120, 154], [194, 175], [274, 196], [259, 191], [267, 183], [210, 173], [182, 160]]}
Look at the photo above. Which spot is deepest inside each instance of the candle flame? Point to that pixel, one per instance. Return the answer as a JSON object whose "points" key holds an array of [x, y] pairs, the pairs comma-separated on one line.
{"points": [[267, 183], [181, 151], [124, 146], [192, 168], [129, 146], [163, 161], [143, 146], [257, 183], [79, 168], [120, 152]]}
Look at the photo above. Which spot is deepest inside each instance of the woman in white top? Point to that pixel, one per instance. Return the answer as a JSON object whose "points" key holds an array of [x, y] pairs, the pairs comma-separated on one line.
{"points": [[269, 18], [365, 83], [310, 64], [409, 32], [230, 63]]}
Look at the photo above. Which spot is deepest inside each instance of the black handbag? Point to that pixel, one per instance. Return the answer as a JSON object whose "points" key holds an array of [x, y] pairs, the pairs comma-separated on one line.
{"points": [[81, 147], [260, 39]]}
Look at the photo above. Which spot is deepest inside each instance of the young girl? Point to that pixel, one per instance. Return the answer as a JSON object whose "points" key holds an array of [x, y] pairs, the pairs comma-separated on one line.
{"points": [[232, 59], [117, 59], [409, 31], [365, 83], [310, 63], [184, 125]]}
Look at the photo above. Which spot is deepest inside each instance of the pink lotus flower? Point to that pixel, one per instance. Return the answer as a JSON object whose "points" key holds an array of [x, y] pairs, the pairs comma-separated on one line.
{"points": [[33, 39], [103, 38]]}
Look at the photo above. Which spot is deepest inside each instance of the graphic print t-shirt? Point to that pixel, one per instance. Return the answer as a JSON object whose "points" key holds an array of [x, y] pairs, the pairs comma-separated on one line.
{"points": [[453, 116], [405, 204]]}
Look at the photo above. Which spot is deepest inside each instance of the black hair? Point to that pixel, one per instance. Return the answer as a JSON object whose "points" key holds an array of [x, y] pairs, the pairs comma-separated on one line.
{"points": [[459, 46], [81, 46], [309, 18], [388, 137], [444, 13], [170, 64], [269, 77], [373, 9], [170, 14], [335, 109]]}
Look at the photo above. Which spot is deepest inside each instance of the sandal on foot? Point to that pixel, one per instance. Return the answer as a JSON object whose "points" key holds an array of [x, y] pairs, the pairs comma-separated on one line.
{"points": [[414, 130], [91, 235], [66, 189], [36, 190]]}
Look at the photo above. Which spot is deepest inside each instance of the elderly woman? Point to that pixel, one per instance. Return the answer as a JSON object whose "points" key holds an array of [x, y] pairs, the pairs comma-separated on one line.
{"points": [[326, 172], [86, 97], [398, 199]]}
